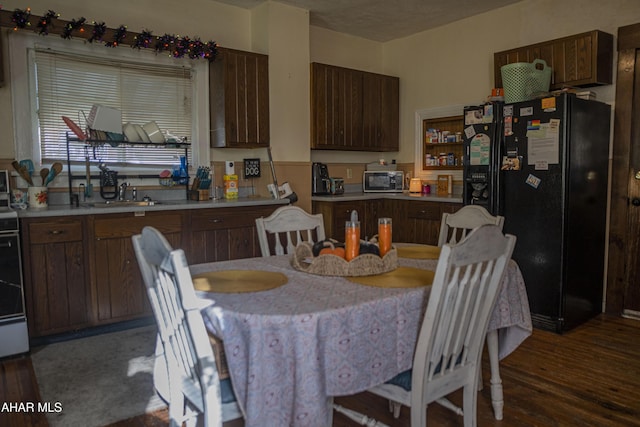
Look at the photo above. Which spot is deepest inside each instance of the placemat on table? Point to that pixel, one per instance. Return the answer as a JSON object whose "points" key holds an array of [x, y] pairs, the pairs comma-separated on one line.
{"points": [[419, 252], [236, 281], [401, 277]]}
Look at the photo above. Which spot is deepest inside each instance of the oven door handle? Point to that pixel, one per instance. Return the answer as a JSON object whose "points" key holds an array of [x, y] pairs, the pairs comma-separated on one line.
{"points": [[5, 244]]}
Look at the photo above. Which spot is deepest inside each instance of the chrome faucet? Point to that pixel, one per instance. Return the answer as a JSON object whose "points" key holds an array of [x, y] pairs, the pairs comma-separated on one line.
{"points": [[122, 193]]}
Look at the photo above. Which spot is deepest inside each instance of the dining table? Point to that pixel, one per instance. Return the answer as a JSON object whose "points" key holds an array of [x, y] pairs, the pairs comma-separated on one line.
{"points": [[294, 340]]}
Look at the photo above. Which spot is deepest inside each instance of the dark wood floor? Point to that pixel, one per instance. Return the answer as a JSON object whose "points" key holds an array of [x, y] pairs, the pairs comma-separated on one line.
{"points": [[589, 376]]}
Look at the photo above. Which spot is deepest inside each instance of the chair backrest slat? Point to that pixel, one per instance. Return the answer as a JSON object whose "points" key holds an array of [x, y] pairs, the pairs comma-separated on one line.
{"points": [[454, 227], [289, 224]]}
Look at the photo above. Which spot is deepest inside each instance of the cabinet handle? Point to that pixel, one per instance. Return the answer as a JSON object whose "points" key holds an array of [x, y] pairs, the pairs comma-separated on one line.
{"points": [[215, 220], [55, 232]]}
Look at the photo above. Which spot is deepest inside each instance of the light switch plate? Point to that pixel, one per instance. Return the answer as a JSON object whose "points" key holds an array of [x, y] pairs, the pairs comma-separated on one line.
{"points": [[251, 168]]}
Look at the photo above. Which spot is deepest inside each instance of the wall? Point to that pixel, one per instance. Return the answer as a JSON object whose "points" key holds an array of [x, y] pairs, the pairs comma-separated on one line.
{"points": [[282, 32], [450, 65], [453, 65]]}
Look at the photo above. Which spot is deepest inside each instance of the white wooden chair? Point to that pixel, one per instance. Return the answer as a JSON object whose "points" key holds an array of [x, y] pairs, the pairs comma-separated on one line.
{"points": [[455, 226], [289, 225], [186, 375], [449, 347]]}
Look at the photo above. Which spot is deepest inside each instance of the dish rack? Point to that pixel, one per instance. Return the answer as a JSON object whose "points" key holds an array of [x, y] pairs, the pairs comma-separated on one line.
{"points": [[167, 182], [90, 147]]}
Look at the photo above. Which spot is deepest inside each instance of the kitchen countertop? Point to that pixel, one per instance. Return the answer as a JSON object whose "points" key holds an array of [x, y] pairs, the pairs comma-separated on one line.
{"points": [[163, 205], [405, 195], [168, 205]]}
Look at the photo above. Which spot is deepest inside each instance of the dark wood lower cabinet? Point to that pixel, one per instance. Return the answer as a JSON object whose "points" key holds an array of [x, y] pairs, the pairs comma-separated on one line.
{"points": [[414, 221], [120, 292], [81, 271], [422, 223], [223, 234], [57, 295], [335, 214]]}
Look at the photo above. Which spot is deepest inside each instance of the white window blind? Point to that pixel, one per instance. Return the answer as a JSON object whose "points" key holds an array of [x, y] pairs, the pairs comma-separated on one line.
{"points": [[70, 84]]}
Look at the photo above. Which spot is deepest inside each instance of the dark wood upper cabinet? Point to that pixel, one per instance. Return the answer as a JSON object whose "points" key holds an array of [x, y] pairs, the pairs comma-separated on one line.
{"points": [[353, 110], [582, 60], [380, 118], [336, 100], [239, 99]]}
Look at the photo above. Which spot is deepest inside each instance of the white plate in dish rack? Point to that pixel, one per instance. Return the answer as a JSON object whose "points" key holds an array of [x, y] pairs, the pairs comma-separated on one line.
{"points": [[143, 135], [153, 131], [130, 132]]}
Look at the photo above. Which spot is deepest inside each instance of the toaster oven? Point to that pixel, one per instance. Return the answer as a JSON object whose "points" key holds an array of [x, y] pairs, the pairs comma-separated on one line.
{"points": [[382, 181]]}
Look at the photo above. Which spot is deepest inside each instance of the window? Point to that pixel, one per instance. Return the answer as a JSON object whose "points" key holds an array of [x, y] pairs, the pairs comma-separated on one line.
{"points": [[67, 77], [69, 85]]}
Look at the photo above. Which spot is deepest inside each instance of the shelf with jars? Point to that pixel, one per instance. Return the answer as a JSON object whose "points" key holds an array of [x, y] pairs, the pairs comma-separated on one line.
{"points": [[442, 143]]}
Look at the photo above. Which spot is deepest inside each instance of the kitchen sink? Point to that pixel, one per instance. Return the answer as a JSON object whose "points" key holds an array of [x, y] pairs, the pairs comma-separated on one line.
{"points": [[124, 203]]}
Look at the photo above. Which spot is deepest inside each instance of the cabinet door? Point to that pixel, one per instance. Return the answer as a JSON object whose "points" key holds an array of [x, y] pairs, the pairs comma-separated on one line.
{"points": [[224, 234], [239, 99], [55, 276], [582, 60], [423, 221], [353, 110], [120, 290], [336, 99], [373, 210], [380, 121], [335, 214]]}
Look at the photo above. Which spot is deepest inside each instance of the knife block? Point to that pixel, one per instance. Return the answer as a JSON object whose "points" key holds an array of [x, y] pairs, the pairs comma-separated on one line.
{"points": [[199, 195]]}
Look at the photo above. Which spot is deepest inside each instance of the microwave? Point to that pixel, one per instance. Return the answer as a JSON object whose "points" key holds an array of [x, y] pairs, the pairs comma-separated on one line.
{"points": [[382, 181]]}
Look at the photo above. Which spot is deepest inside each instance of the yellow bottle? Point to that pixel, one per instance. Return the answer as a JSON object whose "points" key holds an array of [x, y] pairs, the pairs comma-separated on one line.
{"points": [[230, 186]]}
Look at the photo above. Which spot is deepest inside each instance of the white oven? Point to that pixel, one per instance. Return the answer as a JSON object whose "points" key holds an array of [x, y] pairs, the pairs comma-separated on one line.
{"points": [[13, 322]]}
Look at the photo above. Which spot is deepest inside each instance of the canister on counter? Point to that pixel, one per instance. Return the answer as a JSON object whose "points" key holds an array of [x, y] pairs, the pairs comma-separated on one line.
{"points": [[230, 186]]}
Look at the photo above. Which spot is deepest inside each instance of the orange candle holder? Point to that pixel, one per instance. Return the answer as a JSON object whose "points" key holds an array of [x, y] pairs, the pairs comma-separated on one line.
{"points": [[384, 235], [352, 239]]}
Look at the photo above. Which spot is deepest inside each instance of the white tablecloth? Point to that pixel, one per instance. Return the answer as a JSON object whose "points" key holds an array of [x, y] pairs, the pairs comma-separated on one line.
{"points": [[290, 349]]}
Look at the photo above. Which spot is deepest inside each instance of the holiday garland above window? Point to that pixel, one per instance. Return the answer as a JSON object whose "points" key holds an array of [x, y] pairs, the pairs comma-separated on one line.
{"points": [[98, 32]]}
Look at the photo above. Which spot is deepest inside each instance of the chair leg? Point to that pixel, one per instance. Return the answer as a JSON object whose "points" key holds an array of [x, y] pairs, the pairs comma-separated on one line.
{"points": [[358, 417], [418, 415], [450, 406], [469, 404], [395, 408], [497, 398]]}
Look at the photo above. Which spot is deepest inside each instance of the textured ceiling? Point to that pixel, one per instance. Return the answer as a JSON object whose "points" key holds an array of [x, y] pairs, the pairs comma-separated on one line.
{"points": [[383, 20]]}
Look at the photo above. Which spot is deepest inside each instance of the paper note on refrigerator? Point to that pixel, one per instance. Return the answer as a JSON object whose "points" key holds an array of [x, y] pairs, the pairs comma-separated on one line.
{"points": [[543, 144], [479, 149]]}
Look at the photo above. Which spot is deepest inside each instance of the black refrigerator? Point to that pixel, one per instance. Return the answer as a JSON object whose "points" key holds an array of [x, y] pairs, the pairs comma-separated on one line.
{"points": [[552, 175]]}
